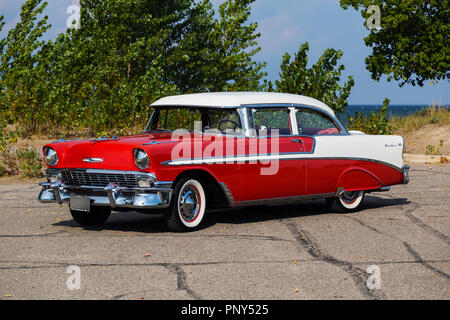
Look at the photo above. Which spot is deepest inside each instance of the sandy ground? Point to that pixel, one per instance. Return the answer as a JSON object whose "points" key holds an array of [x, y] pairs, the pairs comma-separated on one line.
{"points": [[418, 140], [301, 251]]}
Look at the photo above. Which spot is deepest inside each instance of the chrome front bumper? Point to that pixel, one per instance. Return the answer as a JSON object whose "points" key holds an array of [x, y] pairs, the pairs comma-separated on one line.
{"points": [[157, 197], [405, 171]]}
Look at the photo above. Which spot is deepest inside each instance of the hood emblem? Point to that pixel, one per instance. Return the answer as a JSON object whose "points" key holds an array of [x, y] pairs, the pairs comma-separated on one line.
{"points": [[93, 160]]}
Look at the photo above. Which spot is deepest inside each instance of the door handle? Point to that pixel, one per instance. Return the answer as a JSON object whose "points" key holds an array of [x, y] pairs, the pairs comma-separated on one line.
{"points": [[297, 141]]}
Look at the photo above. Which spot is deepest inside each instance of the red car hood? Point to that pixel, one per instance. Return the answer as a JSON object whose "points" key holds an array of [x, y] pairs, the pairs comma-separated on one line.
{"points": [[114, 154]]}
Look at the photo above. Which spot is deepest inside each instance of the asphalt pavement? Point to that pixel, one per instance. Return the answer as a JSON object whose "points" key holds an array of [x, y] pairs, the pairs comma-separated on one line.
{"points": [[400, 242]]}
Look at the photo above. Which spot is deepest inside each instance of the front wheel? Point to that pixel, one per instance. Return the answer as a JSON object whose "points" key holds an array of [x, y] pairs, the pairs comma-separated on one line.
{"points": [[346, 202], [96, 217], [188, 205]]}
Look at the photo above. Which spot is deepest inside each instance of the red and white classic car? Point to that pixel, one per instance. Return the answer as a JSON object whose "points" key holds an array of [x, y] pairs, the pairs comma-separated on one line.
{"points": [[236, 150]]}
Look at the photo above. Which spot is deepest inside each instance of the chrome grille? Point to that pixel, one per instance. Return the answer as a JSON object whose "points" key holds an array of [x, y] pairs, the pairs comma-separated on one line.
{"points": [[83, 178]]}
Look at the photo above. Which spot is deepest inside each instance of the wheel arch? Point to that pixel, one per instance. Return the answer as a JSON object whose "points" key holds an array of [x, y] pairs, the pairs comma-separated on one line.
{"points": [[358, 179], [215, 194]]}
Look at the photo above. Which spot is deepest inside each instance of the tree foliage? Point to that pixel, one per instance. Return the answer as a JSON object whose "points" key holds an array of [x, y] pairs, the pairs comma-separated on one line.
{"points": [[321, 81], [125, 55], [128, 53], [413, 44], [22, 65], [375, 123], [217, 54]]}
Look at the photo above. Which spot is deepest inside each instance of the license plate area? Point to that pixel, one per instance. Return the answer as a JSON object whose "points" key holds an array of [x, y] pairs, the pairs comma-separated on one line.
{"points": [[80, 203]]}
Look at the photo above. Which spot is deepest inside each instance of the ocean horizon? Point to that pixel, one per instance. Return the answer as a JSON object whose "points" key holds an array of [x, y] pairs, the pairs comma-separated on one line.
{"points": [[402, 110]]}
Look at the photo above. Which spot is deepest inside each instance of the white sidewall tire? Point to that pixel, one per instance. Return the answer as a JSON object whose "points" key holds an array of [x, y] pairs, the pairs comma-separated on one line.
{"points": [[355, 204], [202, 209]]}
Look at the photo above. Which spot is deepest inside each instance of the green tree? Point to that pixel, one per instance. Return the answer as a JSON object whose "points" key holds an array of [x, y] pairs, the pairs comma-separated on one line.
{"points": [[2, 98], [217, 54], [375, 123], [321, 81], [412, 45], [21, 67], [128, 53]]}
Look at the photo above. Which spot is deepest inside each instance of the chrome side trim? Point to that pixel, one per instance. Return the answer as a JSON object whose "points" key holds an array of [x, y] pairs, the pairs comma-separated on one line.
{"points": [[158, 142], [228, 195], [285, 200], [237, 159], [358, 159], [268, 157]]}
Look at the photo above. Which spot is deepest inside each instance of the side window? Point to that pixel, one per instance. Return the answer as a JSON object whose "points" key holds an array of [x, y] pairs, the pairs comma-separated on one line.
{"points": [[272, 119], [224, 120], [315, 123]]}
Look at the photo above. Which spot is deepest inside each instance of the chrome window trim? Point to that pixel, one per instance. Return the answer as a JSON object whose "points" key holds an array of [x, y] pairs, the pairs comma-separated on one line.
{"points": [[253, 109], [238, 109], [293, 109], [245, 121]]}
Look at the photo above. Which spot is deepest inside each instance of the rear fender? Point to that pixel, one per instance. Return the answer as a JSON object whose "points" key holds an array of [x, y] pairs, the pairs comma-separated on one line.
{"points": [[357, 179]]}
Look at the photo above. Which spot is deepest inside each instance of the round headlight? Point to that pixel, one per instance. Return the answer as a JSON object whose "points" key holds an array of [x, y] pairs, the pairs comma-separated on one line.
{"points": [[50, 156], [141, 159]]}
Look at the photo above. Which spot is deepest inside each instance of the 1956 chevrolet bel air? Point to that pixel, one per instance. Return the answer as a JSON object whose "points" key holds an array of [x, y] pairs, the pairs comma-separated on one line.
{"points": [[236, 150]]}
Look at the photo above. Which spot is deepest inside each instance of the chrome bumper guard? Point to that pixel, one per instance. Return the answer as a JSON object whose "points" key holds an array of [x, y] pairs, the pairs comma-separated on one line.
{"points": [[113, 196], [405, 171]]}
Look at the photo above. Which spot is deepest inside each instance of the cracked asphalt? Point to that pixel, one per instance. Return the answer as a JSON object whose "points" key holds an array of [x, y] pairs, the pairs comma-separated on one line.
{"points": [[299, 251]]}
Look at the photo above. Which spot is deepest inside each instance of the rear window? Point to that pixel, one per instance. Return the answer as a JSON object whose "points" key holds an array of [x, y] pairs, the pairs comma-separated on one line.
{"points": [[312, 123]]}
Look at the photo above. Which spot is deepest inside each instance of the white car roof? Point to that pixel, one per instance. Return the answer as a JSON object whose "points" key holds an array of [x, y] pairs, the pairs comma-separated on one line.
{"points": [[236, 99]]}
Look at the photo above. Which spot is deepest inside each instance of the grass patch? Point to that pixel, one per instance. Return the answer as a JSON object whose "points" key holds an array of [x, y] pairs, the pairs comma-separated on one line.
{"points": [[434, 150], [432, 115]]}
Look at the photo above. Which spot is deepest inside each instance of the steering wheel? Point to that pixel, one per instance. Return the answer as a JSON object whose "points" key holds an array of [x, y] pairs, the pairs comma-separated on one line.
{"points": [[222, 122]]}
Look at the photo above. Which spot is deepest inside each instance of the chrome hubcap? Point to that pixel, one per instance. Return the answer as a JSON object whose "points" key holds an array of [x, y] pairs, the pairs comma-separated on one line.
{"points": [[189, 203], [349, 197]]}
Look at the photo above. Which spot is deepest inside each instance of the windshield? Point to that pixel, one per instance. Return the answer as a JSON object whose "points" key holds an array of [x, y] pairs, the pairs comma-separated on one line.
{"points": [[169, 119]]}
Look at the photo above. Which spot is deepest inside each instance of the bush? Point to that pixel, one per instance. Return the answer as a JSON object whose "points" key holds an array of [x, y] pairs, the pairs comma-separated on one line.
{"points": [[8, 163], [376, 123], [3, 171], [30, 163]]}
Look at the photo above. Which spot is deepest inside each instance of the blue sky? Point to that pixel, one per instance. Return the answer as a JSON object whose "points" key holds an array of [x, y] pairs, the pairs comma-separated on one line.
{"points": [[284, 25]]}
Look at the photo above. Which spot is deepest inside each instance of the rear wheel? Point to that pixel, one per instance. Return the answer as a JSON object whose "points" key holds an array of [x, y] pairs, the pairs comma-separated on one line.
{"points": [[188, 205], [347, 201], [96, 217]]}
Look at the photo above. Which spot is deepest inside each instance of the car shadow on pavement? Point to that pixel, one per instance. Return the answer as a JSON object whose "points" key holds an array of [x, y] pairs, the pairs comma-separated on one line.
{"points": [[144, 223]]}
